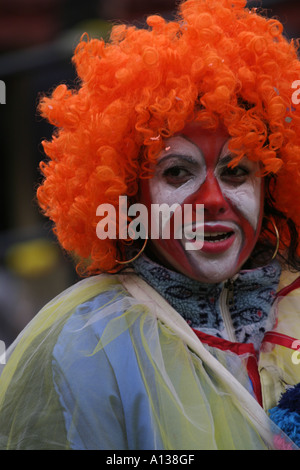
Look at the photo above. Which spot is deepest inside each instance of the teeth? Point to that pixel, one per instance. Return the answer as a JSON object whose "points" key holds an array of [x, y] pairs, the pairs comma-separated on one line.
{"points": [[216, 236]]}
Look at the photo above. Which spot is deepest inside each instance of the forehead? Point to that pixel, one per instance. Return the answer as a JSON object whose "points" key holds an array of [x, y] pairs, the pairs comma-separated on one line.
{"points": [[195, 140], [208, 141]]}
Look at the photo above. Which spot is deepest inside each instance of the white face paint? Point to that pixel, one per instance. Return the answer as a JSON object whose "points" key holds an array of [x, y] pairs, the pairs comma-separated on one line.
{"points": [[193, 169], [246, 197]]}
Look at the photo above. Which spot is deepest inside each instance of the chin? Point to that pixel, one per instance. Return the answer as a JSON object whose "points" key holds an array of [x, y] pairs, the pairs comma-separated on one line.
{"points": [[204, 272], [205, 268], [214, 268]]}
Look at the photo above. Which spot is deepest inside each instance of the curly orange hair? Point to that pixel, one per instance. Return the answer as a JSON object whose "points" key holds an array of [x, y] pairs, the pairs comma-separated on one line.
{"points": [[218, 62]]}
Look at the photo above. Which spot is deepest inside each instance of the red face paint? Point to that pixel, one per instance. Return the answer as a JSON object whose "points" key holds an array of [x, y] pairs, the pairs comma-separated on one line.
{"points": [[193, 169]]}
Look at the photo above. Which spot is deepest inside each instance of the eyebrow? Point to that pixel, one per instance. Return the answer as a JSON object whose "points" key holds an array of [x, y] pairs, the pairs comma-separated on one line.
{"points": [[225, 160], [181, 156]]}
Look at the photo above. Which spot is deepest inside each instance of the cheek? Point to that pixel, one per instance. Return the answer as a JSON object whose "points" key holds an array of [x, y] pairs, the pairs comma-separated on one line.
{"points": [[152, 192], [247, 202], [160, 193]]}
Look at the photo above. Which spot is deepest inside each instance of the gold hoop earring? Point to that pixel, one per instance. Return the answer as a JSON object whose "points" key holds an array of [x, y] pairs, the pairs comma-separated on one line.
{"points": [[270, 219], [136, 256]]}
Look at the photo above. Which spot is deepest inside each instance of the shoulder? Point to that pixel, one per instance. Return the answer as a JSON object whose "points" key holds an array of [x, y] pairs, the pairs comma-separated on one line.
{"points": [[88, 328], [96, 373], [78, 353], [288, 303], [48, 323]]}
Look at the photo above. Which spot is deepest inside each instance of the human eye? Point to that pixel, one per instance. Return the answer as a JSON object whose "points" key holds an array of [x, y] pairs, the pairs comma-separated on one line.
{"points": [[177, 175], [234, 175]]}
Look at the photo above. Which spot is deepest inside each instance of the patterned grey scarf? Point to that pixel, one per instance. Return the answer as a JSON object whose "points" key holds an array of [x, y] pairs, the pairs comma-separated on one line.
{"points": [[253, 296]]}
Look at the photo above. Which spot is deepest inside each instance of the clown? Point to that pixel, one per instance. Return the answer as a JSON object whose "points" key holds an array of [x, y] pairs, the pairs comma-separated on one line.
{"points": [[161, 346]]}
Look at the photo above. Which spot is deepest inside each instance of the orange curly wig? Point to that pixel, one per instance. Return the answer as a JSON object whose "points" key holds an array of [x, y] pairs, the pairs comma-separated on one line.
{"points": [[219, 62]]}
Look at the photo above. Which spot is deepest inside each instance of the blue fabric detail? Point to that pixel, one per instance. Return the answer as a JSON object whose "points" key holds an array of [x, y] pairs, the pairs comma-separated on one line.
{"points": [[254, 292], [290, 400], [288, 421]]}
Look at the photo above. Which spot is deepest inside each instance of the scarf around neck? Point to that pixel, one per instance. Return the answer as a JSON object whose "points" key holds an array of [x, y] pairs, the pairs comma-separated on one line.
{"points": [[198, 303]]}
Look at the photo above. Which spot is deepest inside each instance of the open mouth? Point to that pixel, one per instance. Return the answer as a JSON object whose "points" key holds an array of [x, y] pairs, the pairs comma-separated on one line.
{"points": [[214, 237], [217, 239]]}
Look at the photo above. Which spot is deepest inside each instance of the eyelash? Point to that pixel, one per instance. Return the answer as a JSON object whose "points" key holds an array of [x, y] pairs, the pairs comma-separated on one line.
{"points": [[178, 180], [232, 176], [226, 172], [230, 173]]}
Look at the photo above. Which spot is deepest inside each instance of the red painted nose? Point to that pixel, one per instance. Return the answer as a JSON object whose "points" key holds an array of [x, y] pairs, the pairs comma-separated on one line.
{"points": [[211, 196]]}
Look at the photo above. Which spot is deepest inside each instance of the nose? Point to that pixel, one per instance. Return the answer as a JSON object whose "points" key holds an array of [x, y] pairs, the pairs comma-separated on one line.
{"points": [[211, 196]]}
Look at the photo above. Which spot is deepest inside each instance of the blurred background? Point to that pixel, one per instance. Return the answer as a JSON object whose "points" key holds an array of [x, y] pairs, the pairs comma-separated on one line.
{"points": [[37, 39]]}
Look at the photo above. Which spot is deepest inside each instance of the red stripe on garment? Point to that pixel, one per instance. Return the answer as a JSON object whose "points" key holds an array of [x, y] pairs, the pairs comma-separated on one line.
{"points": [[281, 340], [286, 290], [238, 349], [248, 348], [224, 344]]}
